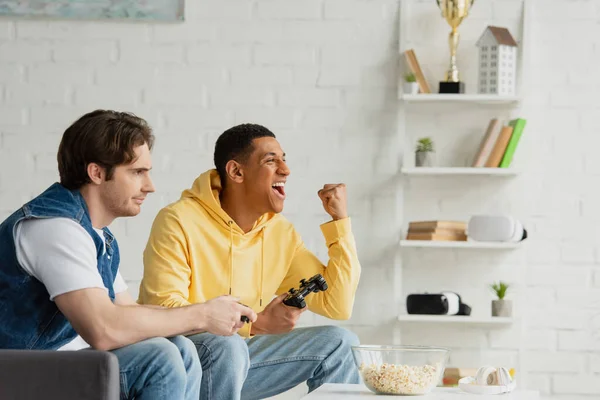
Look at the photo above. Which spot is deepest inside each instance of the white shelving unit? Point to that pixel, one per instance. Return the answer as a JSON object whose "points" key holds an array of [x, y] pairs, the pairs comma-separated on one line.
{"points": [[434, 104], [432, 171], [458, 245], [496, 322], [470, 98]]}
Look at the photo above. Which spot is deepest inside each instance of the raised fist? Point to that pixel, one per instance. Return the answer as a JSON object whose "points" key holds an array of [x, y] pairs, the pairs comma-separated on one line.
{"points": [[333, 197]]}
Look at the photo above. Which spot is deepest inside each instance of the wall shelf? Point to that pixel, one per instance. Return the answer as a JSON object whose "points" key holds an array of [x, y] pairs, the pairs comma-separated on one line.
{"points": [[455, 123], [449, 98], [429, 171], [458, 245], [456, 319]]}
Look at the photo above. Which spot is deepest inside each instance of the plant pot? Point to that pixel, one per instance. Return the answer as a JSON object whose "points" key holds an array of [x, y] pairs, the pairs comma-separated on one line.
{"points": [[410, 88], [424, 158], [501, 308]]}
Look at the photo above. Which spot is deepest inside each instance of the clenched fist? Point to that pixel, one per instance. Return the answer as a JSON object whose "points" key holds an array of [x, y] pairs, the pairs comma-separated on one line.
{"points": [[333, 197]]}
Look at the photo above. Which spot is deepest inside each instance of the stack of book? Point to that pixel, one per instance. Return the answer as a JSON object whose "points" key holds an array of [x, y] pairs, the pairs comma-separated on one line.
{"points": [[499, 143], [437, 230]]}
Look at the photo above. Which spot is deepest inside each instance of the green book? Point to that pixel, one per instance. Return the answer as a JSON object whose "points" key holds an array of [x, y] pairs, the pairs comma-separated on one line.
{"points": [[518, 125]]}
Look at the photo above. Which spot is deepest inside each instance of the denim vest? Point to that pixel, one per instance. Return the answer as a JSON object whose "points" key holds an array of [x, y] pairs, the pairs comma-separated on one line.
{"points": [[29, 319]]}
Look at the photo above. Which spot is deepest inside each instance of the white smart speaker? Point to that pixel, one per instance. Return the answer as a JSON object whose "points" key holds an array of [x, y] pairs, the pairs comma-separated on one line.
{"points": [[495, 228]]}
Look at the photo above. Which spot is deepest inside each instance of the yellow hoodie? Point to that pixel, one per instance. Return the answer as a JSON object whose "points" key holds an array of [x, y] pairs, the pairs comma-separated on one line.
{"points": [[196, 252]]}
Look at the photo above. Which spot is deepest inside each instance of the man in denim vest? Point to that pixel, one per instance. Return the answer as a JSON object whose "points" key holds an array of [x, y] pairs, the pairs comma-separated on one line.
{"points": [[59, 267]]}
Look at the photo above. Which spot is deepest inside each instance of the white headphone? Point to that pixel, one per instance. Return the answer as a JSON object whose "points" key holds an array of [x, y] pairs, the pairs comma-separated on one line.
{"points": [[489, 380]]}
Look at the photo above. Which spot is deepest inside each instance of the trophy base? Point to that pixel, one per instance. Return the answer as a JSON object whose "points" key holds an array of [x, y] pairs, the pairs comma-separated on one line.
{"points": [[452, 87]]}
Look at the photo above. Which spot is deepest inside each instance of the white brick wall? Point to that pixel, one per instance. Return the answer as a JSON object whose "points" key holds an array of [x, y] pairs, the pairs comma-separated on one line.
{"points": [[323, 75]]}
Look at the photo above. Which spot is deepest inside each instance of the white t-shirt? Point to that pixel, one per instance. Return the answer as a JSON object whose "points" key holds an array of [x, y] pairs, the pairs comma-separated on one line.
{"points": [[62, 255]]}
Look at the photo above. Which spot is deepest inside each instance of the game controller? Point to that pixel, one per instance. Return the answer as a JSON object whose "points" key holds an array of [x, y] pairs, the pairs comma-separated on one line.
{"points": [[295, 297], [244, 318]]}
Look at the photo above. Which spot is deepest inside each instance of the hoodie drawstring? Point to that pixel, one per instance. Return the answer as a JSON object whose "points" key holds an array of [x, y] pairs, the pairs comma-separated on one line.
{"points": [[262, 263], [262, 260], [230, 223]]}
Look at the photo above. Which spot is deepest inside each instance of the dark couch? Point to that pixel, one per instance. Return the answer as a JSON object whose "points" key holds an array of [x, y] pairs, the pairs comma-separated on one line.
{"points": [[35, 374]]}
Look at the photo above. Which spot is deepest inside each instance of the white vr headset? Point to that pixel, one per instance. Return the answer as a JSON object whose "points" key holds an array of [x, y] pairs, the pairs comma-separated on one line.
{"points": [[495, 228]]}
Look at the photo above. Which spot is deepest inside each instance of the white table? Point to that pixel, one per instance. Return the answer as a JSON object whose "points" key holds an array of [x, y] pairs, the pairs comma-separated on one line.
{"points": [[332, 391]]}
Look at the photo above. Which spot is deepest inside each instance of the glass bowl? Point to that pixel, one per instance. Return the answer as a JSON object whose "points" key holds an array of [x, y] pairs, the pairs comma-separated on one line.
{"points": [[400, 370]]}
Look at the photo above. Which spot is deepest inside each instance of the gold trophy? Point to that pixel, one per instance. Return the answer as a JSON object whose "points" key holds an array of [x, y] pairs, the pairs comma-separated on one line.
{"points": [[453, 11]]}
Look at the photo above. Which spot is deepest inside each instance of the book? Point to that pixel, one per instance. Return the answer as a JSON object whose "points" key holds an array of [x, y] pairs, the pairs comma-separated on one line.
{"points": [[487, 143], [435, 236], [497, 153], [439, 231], [413, 64], [518, 125], [436, 224]]}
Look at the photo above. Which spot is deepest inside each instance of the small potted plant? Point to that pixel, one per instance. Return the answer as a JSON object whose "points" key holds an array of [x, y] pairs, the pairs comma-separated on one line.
{"points": [[424, 152], [501, 307], [410, 84]]}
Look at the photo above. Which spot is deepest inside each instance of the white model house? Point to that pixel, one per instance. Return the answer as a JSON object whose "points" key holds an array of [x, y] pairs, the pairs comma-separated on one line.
{"points": [[497, 62]]}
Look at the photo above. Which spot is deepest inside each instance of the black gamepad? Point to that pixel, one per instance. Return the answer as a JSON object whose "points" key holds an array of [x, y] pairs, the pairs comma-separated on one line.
{"points": [[295, 297], [244, 318]]}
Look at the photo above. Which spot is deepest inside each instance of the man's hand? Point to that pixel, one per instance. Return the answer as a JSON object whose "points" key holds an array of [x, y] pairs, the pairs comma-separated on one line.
{"points": [[277, 318], [222, 315], [333, 197]]}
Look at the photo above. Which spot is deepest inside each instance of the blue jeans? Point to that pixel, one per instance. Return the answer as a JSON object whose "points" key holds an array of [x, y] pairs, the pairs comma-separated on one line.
{"points": [[160, 368], [266, 365]]}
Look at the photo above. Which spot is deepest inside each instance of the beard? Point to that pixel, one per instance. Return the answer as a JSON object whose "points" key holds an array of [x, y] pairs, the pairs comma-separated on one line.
{"points": [[117, 204]]}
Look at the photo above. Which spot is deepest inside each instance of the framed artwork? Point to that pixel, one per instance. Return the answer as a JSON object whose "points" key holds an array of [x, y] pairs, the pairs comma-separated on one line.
{"points": [[149, 10]]}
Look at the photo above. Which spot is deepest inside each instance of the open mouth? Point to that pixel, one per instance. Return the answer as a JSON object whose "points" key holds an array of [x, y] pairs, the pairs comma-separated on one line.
{"points": [[279, 189]]}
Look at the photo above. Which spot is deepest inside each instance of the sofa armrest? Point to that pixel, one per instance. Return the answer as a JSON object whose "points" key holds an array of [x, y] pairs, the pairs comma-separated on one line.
{"points": [[38, 374]]}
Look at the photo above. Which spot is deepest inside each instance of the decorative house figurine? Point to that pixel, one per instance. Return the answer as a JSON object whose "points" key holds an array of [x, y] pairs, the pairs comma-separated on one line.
{"points": [[497, 62]]}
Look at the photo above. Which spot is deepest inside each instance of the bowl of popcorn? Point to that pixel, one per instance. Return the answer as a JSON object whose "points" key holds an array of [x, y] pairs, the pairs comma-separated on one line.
{"points": [[400, 370]]}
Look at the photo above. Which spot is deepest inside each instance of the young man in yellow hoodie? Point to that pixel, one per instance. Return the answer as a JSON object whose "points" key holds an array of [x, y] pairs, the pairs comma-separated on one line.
{"points": [[226, 236]]}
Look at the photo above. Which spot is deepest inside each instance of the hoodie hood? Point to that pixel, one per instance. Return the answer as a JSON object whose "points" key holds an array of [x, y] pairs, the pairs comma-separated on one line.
{"points": [[206, 190]]}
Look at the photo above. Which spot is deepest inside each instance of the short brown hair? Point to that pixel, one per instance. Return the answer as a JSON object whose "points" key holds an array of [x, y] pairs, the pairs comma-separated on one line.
{"points": [[107, 138]]}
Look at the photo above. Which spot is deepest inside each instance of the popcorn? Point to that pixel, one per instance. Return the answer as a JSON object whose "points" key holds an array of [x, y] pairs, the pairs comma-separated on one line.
{"points": [[401, 379]]}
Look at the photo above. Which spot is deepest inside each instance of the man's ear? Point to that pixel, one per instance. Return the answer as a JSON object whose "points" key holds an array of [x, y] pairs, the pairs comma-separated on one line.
{"points": [[234, 171], [96, 173]]}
